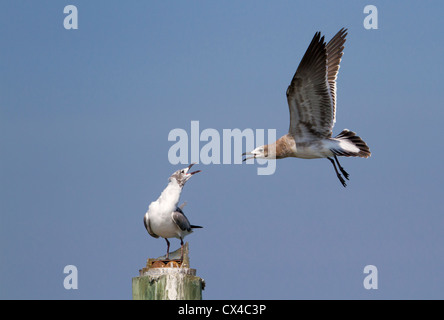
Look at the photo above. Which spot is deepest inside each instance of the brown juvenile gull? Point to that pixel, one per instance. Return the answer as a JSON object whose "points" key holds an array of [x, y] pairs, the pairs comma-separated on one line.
{"points": [[311, 98], [164, 218]]}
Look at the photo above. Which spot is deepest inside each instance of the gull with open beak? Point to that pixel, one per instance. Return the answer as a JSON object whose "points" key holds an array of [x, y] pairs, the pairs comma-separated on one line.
{"points": [[164, 218], [311, 98]]}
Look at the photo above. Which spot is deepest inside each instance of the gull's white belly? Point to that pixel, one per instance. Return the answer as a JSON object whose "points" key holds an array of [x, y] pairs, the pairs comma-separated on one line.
{"points": [[313, 150], [163, 224], [165, 227]]}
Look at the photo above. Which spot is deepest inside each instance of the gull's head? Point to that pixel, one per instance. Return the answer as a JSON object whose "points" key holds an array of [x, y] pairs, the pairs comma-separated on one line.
{"points": [[259, 152], [183, 175]]}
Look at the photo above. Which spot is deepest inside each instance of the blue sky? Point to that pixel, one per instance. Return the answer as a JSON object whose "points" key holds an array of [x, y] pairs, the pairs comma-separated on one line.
{"points": [[84, 121]]}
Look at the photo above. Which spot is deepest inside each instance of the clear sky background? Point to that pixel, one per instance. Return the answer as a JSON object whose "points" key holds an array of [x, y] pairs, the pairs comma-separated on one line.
{"points": [[84, 121]]}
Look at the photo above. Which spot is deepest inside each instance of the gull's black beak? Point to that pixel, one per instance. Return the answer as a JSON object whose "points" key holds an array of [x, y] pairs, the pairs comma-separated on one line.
{"points": [[248, 153], [189, 167]]}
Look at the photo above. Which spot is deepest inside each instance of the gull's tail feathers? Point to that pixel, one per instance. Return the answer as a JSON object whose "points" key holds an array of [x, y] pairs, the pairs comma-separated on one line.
{"points": [[351, 145]]}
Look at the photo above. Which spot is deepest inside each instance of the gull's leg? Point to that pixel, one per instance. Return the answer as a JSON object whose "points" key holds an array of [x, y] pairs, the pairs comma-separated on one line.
{"points": [[181, 249], [346, 175], [168, 249], [337, 173]]}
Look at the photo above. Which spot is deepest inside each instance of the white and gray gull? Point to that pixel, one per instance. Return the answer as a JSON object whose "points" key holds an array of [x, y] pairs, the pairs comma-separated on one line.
{"points": [[164, 218], [311, 98]]}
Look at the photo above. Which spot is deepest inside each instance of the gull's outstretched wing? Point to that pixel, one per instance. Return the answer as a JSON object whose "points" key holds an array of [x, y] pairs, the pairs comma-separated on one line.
{"points": [[311, 94], [334, 54]]}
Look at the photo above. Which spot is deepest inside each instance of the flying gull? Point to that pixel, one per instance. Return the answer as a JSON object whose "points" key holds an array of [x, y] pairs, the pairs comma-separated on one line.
{"points": [[311, 98], [164, 218]]}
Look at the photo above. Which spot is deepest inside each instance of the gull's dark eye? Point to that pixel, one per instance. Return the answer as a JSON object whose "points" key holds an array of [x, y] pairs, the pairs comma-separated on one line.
{"points": [[181, 171]]}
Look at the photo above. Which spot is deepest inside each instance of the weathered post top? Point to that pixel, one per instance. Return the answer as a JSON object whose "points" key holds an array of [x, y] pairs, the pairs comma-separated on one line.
{"points": [[171, 279]]}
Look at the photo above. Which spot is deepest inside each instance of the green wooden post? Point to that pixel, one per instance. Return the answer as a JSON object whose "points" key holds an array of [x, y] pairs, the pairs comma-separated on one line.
{"points": [[168, 279]]}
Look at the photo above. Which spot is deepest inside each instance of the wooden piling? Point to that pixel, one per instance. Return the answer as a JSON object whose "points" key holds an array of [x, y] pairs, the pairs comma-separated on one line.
{"points": [[168, 279]]}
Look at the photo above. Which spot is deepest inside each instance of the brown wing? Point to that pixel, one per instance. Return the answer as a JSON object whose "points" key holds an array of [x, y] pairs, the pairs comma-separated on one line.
{"points": [[309, 95], [334, 54]]}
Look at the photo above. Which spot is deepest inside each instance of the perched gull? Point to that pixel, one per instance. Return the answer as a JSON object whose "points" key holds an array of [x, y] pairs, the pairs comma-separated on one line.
{"points": [[311, 98], [164, 218]]}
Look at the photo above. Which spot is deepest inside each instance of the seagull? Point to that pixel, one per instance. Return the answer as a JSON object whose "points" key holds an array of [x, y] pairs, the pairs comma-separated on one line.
{"points": [[164, 218], [311, 98]]}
